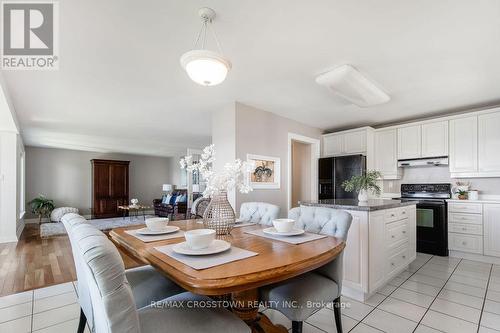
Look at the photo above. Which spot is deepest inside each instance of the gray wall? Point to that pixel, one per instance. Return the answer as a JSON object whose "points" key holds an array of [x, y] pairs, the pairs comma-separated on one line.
{"points": [[264, 133], [65, 175]]}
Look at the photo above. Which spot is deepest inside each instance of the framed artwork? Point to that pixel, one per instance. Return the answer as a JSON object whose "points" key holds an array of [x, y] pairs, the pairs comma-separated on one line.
{"points": [[266, 173]]}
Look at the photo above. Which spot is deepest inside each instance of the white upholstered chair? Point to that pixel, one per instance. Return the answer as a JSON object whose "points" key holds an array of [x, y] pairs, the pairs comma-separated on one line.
{"points": [[321, 286], [259, 212], [114, 305]]}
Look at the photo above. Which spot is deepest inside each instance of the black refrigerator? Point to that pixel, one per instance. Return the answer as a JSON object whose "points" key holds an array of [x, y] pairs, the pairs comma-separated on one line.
{"points": [[334, 170]]}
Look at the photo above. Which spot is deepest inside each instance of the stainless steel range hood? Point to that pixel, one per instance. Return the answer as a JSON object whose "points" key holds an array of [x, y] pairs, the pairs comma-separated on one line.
{"points": [[423, 162]]}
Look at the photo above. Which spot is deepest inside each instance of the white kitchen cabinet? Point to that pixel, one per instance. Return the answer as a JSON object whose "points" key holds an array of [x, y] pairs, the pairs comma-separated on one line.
{"points": [[333, 144], [491, 226], [386, 151], [489, 143], [409, 142], [435, 139], [355, 142], [348, 142], [463, 146]]}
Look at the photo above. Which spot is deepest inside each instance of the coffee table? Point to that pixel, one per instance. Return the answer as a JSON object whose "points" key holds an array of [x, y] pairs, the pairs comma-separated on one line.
{"points": [[131, 209]]}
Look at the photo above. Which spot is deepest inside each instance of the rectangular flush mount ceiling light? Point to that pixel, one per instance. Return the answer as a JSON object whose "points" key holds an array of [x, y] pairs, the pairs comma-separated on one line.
{"points": [[347, 82]]}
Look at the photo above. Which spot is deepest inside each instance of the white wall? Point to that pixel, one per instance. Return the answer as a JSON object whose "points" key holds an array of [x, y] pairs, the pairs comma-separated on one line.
{"points": [[65, 175], [441, 174], [263, 133], [301, 172]]}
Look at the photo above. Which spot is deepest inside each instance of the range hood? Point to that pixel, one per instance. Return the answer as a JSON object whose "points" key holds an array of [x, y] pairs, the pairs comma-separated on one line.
{"points": [[423, 162]]}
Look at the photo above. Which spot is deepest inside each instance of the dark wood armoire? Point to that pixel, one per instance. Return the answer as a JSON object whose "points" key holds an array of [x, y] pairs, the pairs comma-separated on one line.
{"points": [[109, 187]]}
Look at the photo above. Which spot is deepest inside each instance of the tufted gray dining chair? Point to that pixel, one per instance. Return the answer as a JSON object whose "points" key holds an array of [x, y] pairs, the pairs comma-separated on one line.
{"points": [[321, 286], [259, 212], [113, 301]]}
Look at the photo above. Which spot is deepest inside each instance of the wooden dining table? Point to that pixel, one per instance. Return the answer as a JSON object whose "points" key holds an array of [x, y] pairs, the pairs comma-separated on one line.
{"points": [[238, 280]]}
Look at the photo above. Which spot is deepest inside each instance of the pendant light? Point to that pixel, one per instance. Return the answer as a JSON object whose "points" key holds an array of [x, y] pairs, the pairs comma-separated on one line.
{"points": [[203, 66]]}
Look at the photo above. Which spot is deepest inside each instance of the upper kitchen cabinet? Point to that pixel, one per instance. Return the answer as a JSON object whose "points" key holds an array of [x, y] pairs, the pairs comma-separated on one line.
{"points": [[346, 142], [422, 141], [409, 142], [386, 143], [463, 146], [435, 139], [489, 144]]}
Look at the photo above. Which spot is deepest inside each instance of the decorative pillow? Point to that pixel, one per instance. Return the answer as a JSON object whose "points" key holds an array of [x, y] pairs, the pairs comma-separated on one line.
{"points": [[58, 213], [166, 200], [184, 198], [172, 199]]}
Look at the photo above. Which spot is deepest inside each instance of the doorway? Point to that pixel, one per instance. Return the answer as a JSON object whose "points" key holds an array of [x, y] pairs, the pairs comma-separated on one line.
{"points": [[303, 155]]}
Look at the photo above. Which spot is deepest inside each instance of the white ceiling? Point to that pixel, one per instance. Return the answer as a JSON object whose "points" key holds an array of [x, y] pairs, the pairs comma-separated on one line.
{"points": [[120, 86]]}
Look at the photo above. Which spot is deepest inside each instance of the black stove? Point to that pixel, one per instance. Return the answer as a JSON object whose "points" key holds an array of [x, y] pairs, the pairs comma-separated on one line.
{"points": [[432, 216]]}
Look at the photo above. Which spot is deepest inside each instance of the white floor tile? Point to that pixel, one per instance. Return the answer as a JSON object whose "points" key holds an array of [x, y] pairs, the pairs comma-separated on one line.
{"points": [[421, 288], [493, 295], [15, 299], [19, 325], [389, 322], [427, 280], [397, 281], [363, 328], [56, 316], [324, 320], [387, 290], [375, 299], [437, 267], [15, 311], [456, 310], [465, 289], [54, 290], [483, 329], [308, 328], [413, 297], [433, 273], [354, 309], [495, 286], [470, 281], [453, 296], [403, 309], [445, 261], [47, 303], [491, 306], [405, 275], [278, 318], [490, 320], [424, 329], [475, 275], [72, 326], [447, 323]]}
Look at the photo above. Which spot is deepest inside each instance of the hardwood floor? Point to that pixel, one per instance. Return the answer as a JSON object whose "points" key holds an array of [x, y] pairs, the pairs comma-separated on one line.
{"points": [[34, 262]]}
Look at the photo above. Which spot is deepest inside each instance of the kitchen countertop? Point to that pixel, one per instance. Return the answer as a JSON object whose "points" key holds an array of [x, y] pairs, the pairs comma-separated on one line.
{"points": [[353, 204], [491, 201]]}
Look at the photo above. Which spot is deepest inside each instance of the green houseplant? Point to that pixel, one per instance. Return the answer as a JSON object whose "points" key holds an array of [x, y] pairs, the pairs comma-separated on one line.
{"points": [[363, 183], [41, 206]]}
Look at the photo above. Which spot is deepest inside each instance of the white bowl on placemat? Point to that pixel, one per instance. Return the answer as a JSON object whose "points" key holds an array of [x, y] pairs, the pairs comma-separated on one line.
{"points": [[284, 225], [199, 238], [156, 223], [273, 232], [166, 230], [217, 246]]}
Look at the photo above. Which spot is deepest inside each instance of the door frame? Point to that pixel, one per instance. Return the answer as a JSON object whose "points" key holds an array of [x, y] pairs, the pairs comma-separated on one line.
{"points": [[315, 155]]}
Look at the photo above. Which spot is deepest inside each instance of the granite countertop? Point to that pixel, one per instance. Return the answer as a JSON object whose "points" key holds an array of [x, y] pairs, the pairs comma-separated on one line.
{"points": [[353, 204]]}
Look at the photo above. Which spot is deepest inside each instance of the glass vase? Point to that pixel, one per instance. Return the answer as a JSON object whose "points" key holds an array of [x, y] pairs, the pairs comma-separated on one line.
{"points": [[219, 215]]}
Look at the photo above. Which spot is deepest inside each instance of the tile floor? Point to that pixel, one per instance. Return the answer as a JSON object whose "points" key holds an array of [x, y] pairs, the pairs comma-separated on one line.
{"points": [[435, 294]]}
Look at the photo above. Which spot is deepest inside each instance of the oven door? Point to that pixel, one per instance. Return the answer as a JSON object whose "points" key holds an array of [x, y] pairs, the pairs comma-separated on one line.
{"points": [[432, 228]]}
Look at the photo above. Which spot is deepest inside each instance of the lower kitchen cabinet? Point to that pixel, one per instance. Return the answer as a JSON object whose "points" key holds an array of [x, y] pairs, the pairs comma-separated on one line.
{"points": [[491, 219]]}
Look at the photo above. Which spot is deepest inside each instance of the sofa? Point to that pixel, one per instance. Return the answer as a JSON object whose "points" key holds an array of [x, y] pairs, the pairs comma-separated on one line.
{"points": [[175, 203]]}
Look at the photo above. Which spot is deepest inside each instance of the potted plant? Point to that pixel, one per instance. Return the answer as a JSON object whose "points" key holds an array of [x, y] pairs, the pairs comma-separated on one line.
{"points": [[363, 183], [462, 194], [41, 206]]}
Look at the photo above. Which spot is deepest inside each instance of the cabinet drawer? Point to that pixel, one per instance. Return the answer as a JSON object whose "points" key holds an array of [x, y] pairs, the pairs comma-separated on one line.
{"points": [[465, 228], [473, 208], [396, 233], [465, 218], [465, 243], [392, 215], [398, 259]]}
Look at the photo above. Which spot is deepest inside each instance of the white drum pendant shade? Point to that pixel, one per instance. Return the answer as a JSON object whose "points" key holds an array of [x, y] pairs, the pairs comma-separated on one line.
{"points": [[205, 67]]}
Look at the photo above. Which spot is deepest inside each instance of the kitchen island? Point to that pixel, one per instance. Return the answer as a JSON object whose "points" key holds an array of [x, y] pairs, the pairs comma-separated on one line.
{"points": [[380, 245]]}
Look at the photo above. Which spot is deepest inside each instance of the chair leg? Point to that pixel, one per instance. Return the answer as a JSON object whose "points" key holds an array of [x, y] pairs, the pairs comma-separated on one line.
{"points": [[336, 313], [83, 321], [296, 327]]}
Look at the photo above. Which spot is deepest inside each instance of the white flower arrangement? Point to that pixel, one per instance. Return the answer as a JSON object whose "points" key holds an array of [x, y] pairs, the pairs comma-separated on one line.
{"points": [[233, 176]]}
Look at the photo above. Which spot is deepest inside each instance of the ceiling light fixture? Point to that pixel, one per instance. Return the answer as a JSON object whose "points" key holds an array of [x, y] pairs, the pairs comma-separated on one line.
{"points": [[203, 66], [348, 83]]}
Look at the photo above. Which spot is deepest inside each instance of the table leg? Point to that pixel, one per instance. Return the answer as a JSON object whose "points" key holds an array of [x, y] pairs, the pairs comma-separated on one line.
{"points": [[247, 308]]}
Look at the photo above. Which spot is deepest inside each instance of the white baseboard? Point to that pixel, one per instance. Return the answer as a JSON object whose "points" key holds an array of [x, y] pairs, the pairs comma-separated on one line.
{"points": [[20, 228], [476, 257]]}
